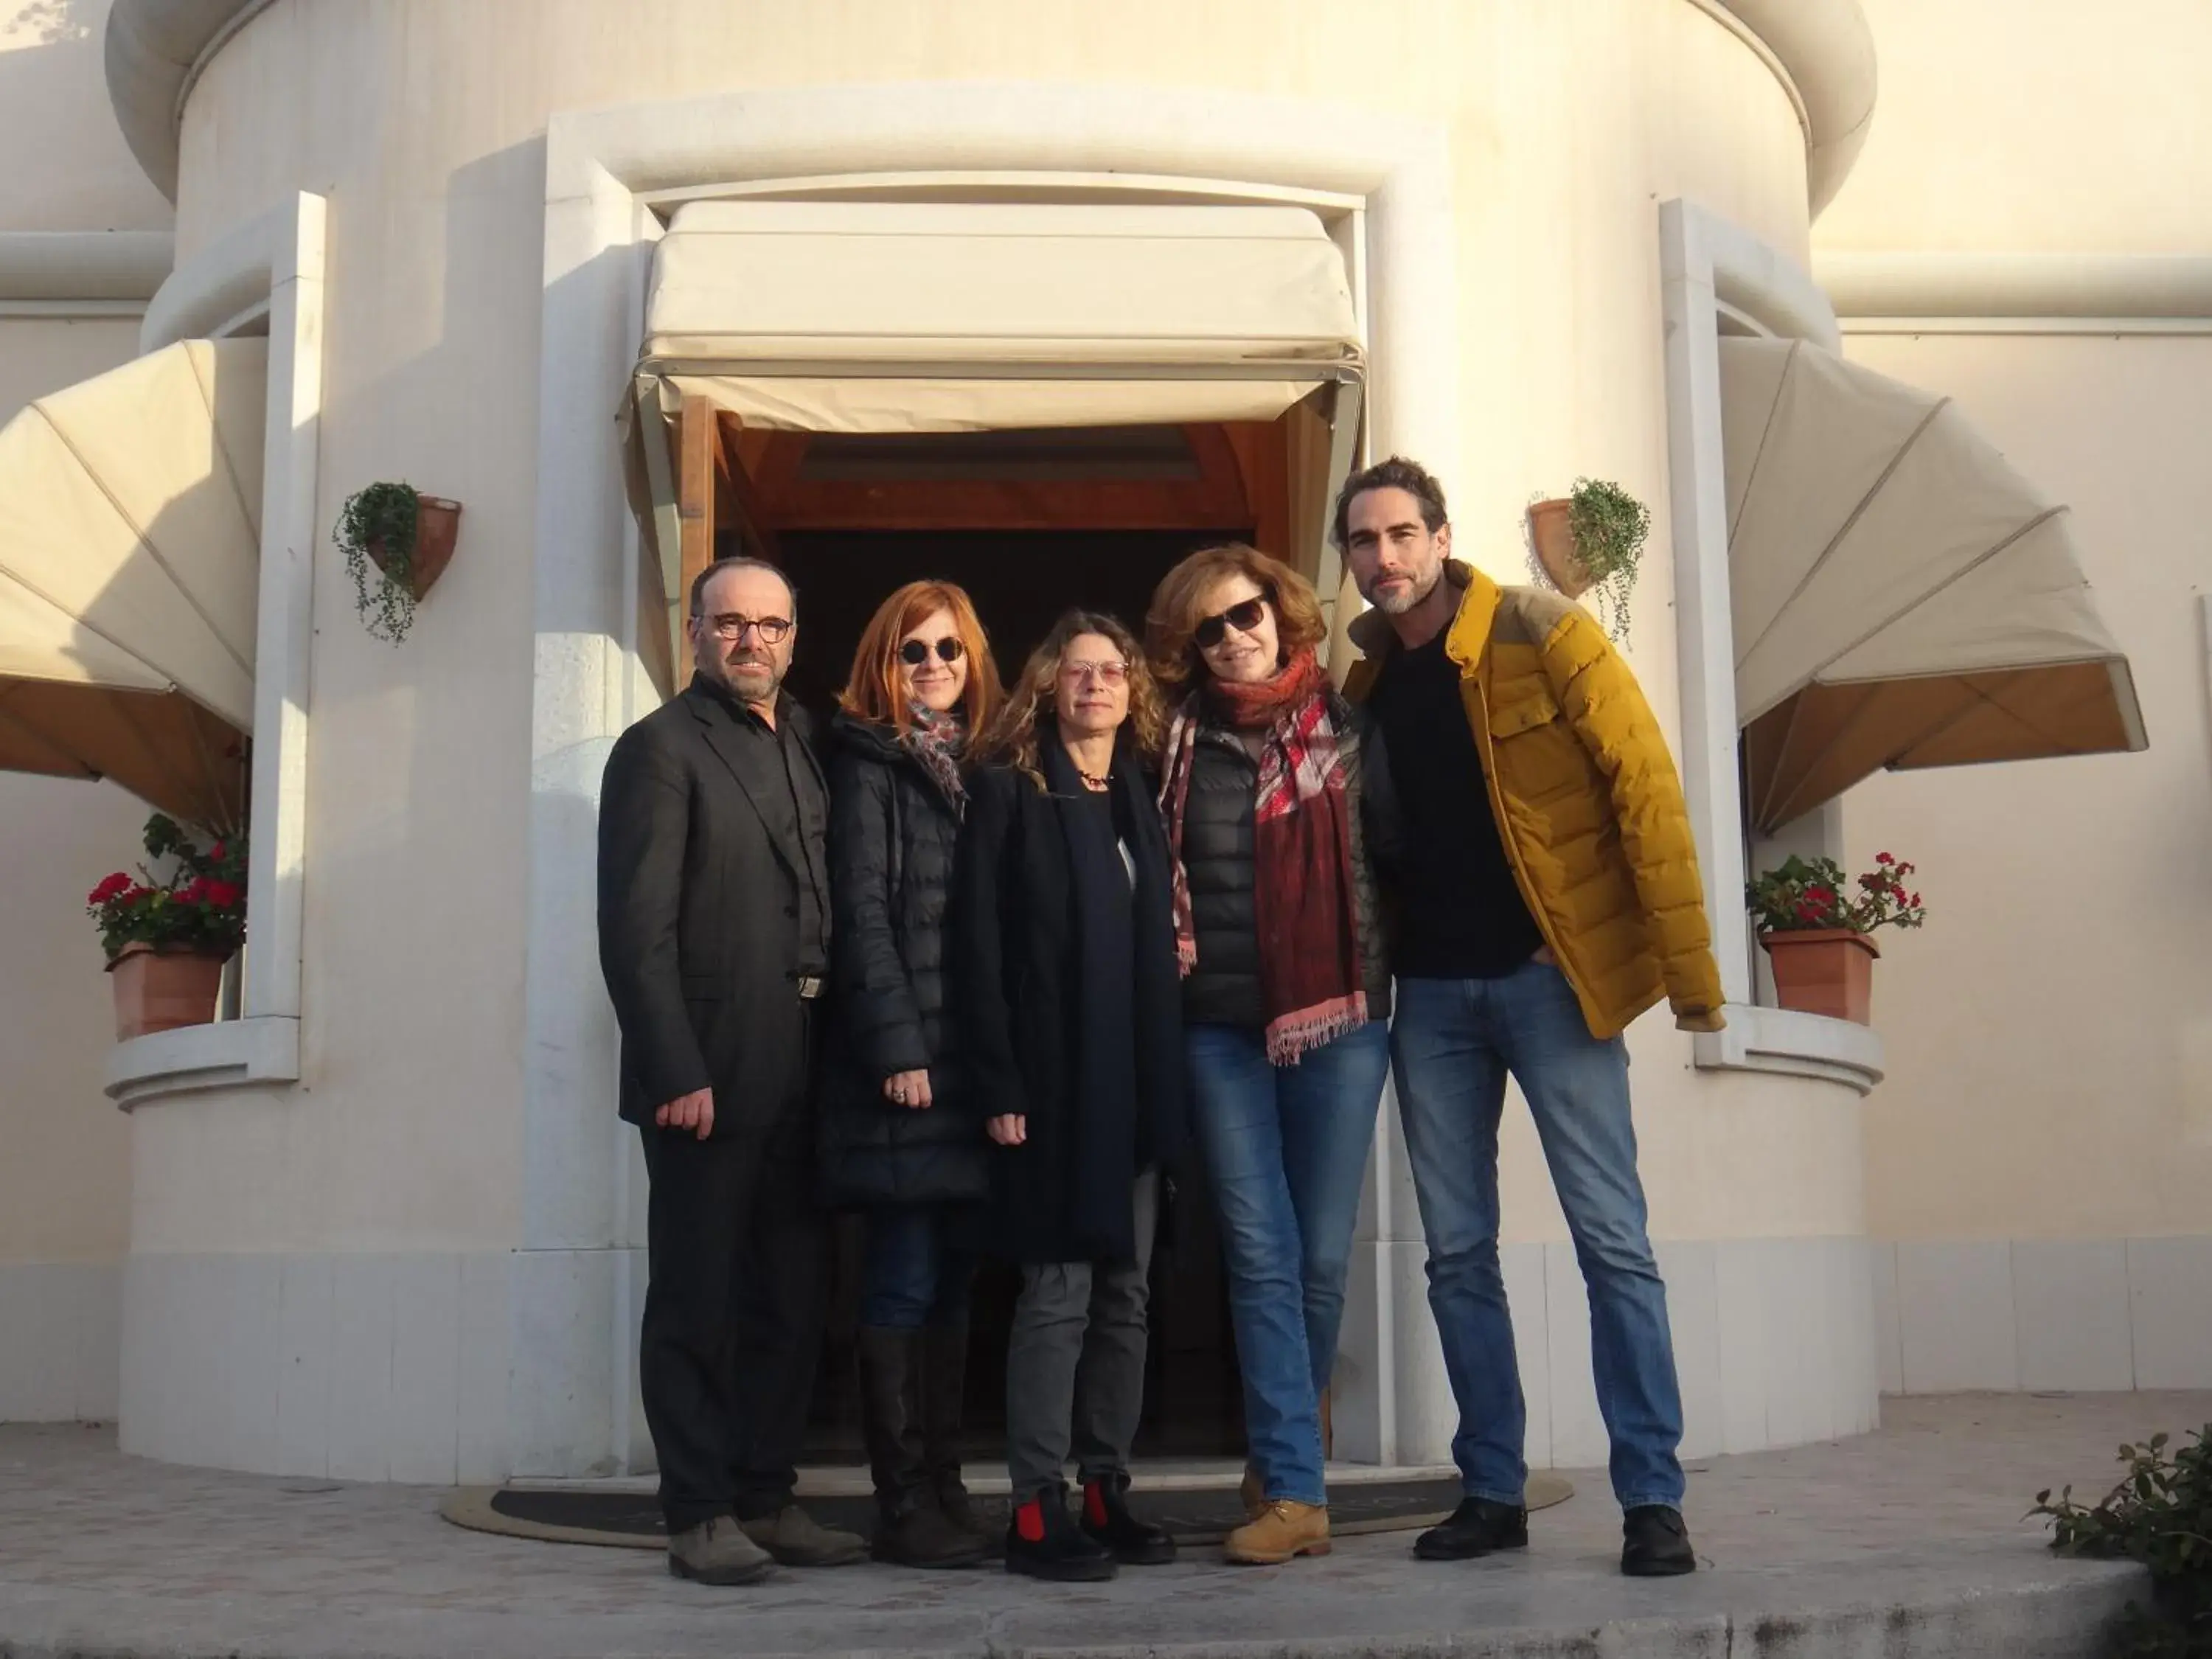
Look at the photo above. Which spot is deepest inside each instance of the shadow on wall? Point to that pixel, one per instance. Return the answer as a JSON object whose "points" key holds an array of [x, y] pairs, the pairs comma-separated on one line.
{"points": [[54, 110]]}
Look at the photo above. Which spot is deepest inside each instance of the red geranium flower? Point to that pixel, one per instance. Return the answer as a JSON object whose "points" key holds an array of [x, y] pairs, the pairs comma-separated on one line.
{"points": [[215, 853], [223, 894], [1883, 857], [113, 886]]}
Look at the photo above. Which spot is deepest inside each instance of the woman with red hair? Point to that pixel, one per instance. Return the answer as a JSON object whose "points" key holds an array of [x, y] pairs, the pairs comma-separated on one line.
{"points": [[902, 1138]]}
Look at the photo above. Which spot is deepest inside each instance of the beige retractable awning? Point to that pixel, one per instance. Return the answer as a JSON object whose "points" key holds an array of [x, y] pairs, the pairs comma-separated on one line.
{"points": [[130, 562], [1902, 597], [906, 317], [903, 318]]}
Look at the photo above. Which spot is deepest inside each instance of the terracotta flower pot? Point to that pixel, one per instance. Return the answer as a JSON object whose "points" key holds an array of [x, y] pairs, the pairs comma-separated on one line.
{"points": [[160, 990], [437, 525], [1824, 970], [1551, 529]]}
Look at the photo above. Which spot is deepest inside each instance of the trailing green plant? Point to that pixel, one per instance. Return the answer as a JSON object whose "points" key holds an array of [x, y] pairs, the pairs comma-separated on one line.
{"points": [[197, 905], [1800, 894], [376, 531], [1610, 527], [2159, 1515]]}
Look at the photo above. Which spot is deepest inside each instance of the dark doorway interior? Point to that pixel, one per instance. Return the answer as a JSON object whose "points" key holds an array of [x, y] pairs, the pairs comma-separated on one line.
{"points": [[1020, 579]]}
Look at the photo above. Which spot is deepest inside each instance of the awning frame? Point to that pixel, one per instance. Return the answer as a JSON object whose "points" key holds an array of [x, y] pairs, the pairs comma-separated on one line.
{"points": [[665, 511]]}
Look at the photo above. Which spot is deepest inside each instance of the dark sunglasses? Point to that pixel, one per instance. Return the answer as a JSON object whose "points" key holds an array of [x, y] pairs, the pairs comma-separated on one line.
{"points": [[1243, 618], [914, 653]]}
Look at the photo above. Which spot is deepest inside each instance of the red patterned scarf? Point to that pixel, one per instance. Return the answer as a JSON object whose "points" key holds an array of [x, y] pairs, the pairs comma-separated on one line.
{"points": [[1311, 984]]}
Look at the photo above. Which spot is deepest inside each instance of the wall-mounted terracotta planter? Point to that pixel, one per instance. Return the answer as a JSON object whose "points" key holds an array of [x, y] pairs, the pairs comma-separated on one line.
{"points": [[437, 526], [161, 990], [1550, 530], [1824, 970]]}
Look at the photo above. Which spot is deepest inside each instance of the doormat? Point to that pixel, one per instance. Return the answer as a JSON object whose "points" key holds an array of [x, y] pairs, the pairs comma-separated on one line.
{"points": [[1195, 1514]]}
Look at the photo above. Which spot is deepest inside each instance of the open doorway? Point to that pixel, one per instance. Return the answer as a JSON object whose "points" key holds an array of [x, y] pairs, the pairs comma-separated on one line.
{"points": [[1029, 522]]}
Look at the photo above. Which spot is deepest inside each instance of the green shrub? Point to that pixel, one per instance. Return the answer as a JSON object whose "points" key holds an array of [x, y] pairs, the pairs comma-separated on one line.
{"points": [[2161, 1515]]}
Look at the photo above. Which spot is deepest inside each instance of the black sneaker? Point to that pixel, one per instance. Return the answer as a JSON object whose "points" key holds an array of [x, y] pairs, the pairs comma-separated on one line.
{"points": [[1655, 1543], [1476, 1528], [1042, 1542], [1107, 1519]]}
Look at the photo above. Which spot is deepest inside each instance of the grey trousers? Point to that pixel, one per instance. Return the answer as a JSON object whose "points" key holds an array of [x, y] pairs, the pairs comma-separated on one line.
{"points": [[1075, 1362]]}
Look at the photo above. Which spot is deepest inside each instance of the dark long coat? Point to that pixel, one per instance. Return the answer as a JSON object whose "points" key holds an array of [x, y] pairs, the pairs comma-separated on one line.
{"points": [[893, 833], [1023, 995], [699, 910]]}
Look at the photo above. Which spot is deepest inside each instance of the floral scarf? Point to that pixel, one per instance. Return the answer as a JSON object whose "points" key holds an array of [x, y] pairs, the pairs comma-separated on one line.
{"points": [[937, 741]]}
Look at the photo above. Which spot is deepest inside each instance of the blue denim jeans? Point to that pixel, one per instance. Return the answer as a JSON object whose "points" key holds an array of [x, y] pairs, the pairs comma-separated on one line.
{"points": [[1287, 1147], [918, 1266], [1452, 1045]]}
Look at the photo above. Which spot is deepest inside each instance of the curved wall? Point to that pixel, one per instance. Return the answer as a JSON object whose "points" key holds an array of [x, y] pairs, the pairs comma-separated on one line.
{"points": [[453, 1073]]}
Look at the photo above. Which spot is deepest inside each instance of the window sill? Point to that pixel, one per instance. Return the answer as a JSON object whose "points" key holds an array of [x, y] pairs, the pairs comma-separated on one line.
{"points": [[1795, 1044], [192, 1058]]}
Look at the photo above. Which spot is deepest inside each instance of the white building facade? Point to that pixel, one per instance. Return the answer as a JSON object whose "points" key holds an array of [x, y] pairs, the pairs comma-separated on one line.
{"points": [[384, 1223]]}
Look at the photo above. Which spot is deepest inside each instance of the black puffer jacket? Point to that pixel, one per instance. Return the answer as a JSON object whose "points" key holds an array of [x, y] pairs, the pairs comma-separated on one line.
{"points": [[1224, 989], [892, 835]]}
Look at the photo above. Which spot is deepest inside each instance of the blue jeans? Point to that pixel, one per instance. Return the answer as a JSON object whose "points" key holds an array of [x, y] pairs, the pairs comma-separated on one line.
{"points": [[1453, 1043], [1287, 1147], [918, 1266]]}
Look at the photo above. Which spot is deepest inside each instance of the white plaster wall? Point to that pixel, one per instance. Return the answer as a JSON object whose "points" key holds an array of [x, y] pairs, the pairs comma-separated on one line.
{"points": [[2041, 1153], [2033, 125], [409, 1136], [64, 1183], [68, 166]]}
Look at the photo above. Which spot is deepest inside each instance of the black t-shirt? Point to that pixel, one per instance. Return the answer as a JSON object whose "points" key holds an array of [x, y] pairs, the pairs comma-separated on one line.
{"points": [[1463, 916]]}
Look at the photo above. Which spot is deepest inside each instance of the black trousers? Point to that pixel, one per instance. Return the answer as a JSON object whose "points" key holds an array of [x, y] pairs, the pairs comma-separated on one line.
{"points": [[739, 1265]]}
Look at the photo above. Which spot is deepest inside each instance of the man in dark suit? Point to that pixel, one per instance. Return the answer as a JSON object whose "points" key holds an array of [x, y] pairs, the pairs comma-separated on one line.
{"points": [[714, 939]]}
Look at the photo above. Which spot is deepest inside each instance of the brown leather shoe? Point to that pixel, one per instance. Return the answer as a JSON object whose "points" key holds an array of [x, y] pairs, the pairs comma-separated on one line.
{"points": [[796, 1539], [1285, 1530], [717, 1552]]}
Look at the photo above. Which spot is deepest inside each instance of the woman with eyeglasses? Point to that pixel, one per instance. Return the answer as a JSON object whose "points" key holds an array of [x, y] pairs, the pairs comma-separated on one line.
{"points": [[1286, 993], [902, 1135], [1067, 991]]}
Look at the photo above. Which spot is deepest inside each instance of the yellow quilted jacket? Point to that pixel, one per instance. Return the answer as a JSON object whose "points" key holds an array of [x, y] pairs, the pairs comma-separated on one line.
{"points": [[1586, 800]]}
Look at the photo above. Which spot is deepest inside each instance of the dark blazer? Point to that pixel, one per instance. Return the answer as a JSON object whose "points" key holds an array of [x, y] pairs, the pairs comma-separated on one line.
{"points": [[1020, 993], [699, 911], [1224, 988], [892, 835]]}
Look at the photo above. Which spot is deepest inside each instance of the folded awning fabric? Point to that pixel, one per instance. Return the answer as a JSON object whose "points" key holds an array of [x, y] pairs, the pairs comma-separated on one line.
{"points": [[1901, 596], [130, 562], [929, 317]]}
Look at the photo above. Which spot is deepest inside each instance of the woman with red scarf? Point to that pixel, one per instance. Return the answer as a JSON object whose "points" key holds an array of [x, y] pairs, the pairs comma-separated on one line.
{"points": [[1286, 993]]}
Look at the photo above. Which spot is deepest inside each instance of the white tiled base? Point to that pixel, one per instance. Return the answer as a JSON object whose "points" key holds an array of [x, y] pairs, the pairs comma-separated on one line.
{"points": [[58, 1327], [2075, 1315], [438, 1368], [430, 1368]]}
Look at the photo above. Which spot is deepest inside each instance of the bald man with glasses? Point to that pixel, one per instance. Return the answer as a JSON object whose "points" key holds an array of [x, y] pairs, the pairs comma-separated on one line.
{"points": [[714, 939]]}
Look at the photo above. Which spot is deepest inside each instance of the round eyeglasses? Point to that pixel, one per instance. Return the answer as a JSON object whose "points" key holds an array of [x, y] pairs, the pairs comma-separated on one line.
{"points": [[1112, 671], [730, 627], [914, 653]]}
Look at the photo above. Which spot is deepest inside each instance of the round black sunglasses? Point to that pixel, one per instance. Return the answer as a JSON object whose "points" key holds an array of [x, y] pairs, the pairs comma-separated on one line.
{"points": [[914, 653]]}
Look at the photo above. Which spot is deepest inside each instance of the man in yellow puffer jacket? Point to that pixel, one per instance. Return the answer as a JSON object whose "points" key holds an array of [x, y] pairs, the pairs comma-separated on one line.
{"points": [[1533, 835]]}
